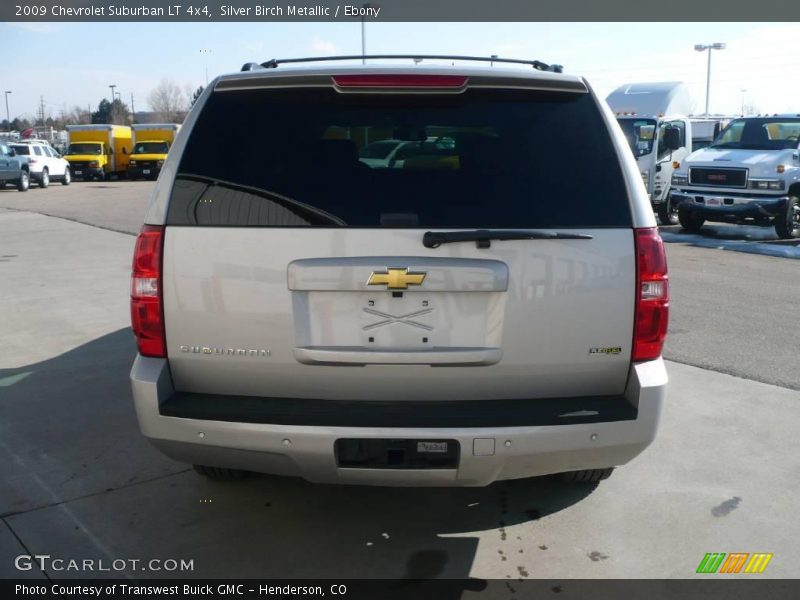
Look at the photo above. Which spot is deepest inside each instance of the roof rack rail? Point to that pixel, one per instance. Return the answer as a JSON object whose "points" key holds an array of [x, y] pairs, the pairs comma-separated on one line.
{"points": [[273, 63]]}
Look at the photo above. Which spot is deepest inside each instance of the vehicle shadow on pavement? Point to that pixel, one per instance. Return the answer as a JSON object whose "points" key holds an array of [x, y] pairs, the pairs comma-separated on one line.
{"points": [[83, 483], [739, 238]]}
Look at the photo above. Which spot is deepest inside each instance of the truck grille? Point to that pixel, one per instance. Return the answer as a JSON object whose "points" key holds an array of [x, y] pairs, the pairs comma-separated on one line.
{"points": [[146, 164], [718, 177], [78, 164]]}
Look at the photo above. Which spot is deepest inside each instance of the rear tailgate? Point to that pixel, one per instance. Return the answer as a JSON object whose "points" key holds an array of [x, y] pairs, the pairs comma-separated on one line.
{"points": [[298, 270]]}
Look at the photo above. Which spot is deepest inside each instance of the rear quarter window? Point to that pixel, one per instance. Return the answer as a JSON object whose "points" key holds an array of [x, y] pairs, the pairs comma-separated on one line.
{"points": [[482, 158]]}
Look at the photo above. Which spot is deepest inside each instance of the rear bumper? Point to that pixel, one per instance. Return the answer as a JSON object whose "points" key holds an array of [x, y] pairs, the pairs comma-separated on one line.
{"points": [[732, 207], [487, 453]]}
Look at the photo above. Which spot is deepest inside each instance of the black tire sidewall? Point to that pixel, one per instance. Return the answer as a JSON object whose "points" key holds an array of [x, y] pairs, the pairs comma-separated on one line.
{"points": [[784, 225]]}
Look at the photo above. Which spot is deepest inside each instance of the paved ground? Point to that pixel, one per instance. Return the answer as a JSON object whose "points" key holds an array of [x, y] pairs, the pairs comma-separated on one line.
{"points": [[731, 311], [79, 482]]}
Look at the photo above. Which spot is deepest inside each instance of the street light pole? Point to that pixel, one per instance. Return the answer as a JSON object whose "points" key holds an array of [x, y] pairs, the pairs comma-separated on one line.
{"points": [[8, 115], [364, 30], [363, 40], [206, 52], [709, 48]]}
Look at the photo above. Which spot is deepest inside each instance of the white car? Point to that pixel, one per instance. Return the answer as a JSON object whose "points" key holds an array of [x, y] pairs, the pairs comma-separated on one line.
{"points": [[46, 164]]}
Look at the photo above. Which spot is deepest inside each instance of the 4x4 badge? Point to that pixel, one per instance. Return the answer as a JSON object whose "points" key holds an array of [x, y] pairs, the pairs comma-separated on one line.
{"points": [[395, 278]]}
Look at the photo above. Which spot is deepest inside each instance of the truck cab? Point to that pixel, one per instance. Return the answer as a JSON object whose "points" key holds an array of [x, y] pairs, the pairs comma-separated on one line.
{"points": [[653, 119], [98, 151], [87, 159], [147, 158], [750, 174], [151, 143]]}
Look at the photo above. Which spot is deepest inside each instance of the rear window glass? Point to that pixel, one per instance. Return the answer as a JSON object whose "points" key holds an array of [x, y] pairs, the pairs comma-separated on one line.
{"points": [[320, 158]]}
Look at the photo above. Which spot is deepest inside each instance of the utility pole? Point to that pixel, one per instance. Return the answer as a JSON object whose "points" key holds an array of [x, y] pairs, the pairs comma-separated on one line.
{"points": [[41, 103], [133, 111]]}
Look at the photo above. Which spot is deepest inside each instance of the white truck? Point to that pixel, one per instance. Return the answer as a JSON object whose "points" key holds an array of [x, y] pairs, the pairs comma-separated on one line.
{"points": [[749, 174], [653, 117]]}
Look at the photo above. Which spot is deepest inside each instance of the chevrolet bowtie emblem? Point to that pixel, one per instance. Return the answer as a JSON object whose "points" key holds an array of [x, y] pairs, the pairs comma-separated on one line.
{"points": [[396, 279]]}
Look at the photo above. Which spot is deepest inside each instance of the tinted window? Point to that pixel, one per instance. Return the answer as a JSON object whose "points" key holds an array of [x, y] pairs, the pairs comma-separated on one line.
{"points": [[37, 150], [22, 149], [483, 158]]}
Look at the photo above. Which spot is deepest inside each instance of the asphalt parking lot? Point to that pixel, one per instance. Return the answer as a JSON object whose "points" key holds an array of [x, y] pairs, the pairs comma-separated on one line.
{"points": [[79, 481]]}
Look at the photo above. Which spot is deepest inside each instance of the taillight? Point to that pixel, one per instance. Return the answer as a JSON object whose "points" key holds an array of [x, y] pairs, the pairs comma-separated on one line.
{"points": [[147, 315], [652, 300], [400, 81]]}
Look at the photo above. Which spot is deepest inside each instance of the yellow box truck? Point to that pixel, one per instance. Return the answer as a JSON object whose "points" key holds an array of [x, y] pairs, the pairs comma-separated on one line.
{"points": [[151, 142], [98, 151]]}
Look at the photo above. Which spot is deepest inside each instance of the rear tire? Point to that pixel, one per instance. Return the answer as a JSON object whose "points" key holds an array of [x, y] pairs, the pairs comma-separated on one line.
{"points": [[44, 179], [587, 475], [690, 221], [24, 181], [787, 224], [220, 473], [67, 179]]}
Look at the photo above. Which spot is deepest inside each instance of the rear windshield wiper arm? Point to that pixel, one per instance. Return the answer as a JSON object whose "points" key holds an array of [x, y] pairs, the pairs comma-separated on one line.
{"points": [[483, 237]]}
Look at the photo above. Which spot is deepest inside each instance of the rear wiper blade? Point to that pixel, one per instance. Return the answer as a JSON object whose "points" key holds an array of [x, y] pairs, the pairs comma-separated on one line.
{"points": [[483, 237]]}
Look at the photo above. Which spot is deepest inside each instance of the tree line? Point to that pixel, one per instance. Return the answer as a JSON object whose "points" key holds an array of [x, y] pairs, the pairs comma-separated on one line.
{"points": [[168, 103]]}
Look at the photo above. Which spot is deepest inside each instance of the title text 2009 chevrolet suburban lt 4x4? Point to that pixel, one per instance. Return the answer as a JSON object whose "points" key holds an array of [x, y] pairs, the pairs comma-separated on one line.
{"points": [[494, 309]]}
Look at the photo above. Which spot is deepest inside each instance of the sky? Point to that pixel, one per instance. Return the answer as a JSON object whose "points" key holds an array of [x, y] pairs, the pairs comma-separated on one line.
{"points": [[72, 64]]}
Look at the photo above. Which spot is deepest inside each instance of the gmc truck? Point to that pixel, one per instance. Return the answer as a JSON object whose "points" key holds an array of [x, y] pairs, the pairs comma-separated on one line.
{"points": [[749, 174], [491, 314]]}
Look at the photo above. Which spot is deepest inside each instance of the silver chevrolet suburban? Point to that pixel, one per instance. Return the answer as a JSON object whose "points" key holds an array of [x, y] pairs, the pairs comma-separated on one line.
{"points": [[493, 309]]}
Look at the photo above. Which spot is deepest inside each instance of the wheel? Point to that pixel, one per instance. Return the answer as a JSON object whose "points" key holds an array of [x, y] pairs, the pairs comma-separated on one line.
{"points": [[787, 224], [67, 179], [667, 211], [690, 221], [587, 475], [44, 180], [220, 473], [24, 181]]}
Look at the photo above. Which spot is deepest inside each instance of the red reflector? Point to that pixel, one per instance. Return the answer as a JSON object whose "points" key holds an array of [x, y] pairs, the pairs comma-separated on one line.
{"points": [[400, 81], [652, 295], [147, 314]]}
